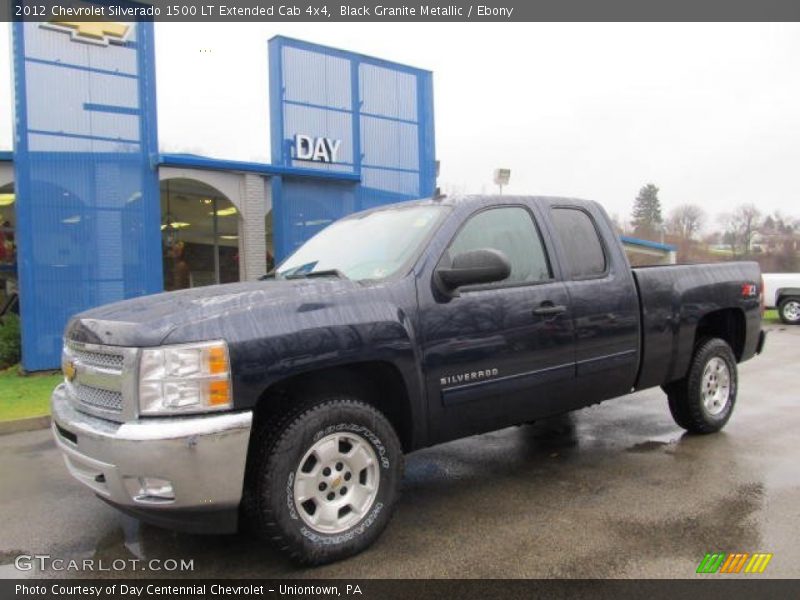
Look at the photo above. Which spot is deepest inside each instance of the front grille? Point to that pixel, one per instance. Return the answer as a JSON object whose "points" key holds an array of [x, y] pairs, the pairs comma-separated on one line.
{"points": [[98, 378], [103, 399], [97, 359]]}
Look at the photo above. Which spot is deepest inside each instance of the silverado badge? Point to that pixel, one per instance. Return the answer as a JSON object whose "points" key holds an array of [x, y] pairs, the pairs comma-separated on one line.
{"points": [[459, 378]]}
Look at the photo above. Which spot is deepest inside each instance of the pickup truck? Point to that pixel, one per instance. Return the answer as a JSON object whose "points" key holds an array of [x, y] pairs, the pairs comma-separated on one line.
{"points": [[286, 405], [782, 292]]}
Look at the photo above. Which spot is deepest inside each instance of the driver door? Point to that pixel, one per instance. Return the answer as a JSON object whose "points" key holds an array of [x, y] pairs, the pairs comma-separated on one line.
{"points": [[502, 353]]}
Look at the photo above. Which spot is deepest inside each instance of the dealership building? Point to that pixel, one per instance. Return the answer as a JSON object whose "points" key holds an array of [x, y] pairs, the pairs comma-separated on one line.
{"points": [[92, 213]]}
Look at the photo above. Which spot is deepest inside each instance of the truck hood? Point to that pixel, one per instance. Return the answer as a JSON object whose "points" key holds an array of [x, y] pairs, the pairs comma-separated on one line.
{"points": [[148, 320]]}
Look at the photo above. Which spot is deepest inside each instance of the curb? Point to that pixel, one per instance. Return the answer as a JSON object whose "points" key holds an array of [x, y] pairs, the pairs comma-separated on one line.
{"points": [[20, 425]]}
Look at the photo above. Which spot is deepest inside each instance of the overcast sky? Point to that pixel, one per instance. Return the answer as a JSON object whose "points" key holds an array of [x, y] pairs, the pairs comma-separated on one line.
{"points": [[709, 113]]}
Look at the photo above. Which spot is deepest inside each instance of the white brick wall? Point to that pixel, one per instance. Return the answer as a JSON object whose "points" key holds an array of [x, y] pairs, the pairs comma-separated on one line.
{"points": [[252, 237]]}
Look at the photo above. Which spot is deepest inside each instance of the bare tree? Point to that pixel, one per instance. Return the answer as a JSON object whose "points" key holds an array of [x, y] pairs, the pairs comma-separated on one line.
{"points": [[686, 221], [739, 227], [730, 237], [746, 219]]}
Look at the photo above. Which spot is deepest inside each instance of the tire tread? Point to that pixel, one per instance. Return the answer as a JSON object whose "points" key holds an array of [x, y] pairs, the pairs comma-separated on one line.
{"points": [[684, 403], [261, 512]]}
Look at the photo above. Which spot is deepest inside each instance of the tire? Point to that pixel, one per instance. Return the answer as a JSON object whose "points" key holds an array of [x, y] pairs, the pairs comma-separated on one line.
{"points": [[789, 310], [703, 401], [336, 432]]}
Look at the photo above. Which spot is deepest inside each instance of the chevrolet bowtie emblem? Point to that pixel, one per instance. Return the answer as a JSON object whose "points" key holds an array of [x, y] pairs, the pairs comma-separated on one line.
{"points": [[93, 32], [70, 371]]}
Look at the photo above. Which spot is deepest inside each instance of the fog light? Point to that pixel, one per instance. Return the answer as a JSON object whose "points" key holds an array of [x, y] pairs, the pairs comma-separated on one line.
{"points": [[150, 489]]}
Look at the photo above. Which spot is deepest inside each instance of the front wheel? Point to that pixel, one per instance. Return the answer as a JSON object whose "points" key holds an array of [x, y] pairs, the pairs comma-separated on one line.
{"points": [[703, 401], [789, 310], [327, 483]]}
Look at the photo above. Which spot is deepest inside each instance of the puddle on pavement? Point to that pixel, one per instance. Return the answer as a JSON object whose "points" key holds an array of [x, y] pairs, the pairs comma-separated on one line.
{"points": [[728, 522], [501, 452], [648, 446]]}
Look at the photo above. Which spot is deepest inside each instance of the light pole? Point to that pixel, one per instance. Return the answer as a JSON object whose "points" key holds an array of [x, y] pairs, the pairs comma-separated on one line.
{"points": [[501, 178]]}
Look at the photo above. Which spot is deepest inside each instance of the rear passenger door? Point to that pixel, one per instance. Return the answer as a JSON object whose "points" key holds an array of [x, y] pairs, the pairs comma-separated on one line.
{"points": [[500, 353], [605, 307]]}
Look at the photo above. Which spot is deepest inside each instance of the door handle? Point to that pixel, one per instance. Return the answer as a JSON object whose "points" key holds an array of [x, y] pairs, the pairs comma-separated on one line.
{"points": [[548, 309]]}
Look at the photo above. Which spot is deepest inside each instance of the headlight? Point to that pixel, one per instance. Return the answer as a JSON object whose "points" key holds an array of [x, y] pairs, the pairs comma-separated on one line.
{"points": [[188, 378]]}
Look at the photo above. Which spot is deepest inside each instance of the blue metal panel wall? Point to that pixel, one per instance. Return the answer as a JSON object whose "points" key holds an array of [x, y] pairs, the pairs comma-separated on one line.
{"points": [[383, 114], [86, 183]]}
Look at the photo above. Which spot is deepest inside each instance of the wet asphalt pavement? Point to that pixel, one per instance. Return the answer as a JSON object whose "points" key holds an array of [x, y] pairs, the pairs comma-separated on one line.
{"points": [[615, 490]]}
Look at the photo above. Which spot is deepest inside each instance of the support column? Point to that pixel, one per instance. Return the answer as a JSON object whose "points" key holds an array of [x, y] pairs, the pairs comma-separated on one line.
{"points": [[252, 237]]}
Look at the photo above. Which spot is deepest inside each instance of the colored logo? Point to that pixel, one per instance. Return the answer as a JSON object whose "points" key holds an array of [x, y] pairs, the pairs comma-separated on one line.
{"points": [[70, 371], [739, 562], [93, 32], [749, 290]]}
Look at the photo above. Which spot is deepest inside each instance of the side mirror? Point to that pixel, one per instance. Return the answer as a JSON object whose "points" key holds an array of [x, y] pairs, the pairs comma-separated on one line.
{"points": [[484, 265]]}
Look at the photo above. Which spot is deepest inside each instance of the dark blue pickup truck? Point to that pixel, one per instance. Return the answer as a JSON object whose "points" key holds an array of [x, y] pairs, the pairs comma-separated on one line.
{"points": [[286, 405]]}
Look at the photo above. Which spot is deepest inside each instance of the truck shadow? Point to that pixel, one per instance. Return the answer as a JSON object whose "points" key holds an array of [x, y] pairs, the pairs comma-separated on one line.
{"points": [[527, 478], [431, 474]]}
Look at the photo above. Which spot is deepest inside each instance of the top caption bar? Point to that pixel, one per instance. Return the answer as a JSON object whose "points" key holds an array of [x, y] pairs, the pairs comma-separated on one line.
{"points": [[390, 11]]}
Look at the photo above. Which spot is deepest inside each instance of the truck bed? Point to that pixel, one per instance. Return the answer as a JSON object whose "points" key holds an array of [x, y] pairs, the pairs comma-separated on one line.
{"points": [[675, 299]]}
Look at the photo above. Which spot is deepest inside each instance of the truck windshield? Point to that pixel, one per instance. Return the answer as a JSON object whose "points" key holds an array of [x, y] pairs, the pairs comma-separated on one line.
{"points": [[374, 245]]}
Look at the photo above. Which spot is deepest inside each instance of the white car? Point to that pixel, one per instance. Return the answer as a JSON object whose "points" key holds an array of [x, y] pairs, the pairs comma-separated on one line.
{"points": [[782, 291]]}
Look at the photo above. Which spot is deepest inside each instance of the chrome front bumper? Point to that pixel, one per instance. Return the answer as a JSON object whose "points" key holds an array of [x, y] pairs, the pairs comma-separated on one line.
{"points": [[203, 457]]}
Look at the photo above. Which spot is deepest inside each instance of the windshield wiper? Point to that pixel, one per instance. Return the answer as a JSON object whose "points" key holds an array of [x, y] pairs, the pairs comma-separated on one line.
{"points": [[325, 273]]}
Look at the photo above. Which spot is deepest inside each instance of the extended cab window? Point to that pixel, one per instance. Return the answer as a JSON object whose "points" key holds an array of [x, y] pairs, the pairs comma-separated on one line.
{"points": [[581, 243], [510, 230]]}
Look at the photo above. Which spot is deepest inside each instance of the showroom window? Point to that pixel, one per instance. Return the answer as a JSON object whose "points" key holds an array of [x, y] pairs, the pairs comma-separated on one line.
{"points": [[8, 245], [199, 235]]}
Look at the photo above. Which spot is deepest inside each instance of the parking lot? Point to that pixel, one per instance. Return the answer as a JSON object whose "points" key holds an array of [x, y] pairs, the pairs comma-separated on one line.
{"points": [[616, 490]]}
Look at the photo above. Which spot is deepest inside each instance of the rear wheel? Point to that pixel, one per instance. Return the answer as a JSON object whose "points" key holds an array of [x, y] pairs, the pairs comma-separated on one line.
{"points": [[326, 484], [703, 401], [789, 310]]}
